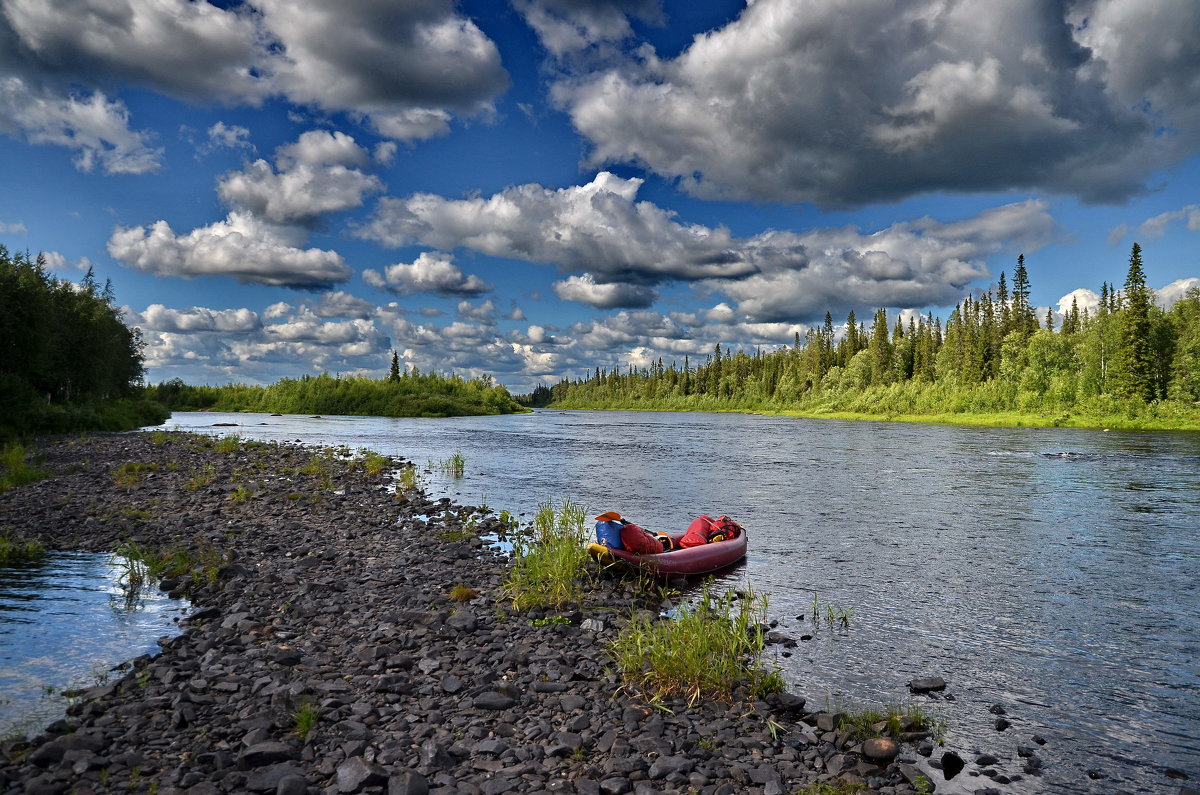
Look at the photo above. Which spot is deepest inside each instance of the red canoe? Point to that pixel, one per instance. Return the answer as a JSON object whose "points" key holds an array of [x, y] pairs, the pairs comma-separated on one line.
{"points": [[703, 559]]}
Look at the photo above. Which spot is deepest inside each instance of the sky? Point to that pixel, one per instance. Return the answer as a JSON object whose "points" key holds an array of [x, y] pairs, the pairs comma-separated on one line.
{"points": [[527, 190]]}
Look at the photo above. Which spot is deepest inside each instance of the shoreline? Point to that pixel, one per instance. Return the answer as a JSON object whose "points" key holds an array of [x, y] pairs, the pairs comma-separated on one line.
{"points": [[1006, 419], [334, 608]]}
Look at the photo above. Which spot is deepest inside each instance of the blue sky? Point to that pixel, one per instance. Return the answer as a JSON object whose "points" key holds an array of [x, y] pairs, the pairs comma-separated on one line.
{"points": [[532, 189]]}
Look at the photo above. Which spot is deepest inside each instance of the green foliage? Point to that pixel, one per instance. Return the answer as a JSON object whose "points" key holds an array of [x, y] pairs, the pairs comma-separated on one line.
{"points": [[14, 548], [304, 718], [140, 566], [67, 360], [454, 466], [463, 593], [131, 473], [706, 651], [410, 395], [15, 470], [1126, 365], [549, 560], [893, 722]]}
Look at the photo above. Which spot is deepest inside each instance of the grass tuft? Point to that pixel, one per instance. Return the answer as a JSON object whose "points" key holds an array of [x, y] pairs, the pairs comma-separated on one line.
{"points": [[707, 650], [549, 559], [15, 470], [14, 548], [463, 593]]}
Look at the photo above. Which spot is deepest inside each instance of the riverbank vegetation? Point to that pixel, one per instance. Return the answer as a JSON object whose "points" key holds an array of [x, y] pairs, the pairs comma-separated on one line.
{"points": [[67, 360], [408, 394], [1127, 364]]}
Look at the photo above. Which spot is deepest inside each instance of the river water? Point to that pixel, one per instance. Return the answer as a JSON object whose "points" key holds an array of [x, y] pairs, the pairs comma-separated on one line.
{"points": [[65, 621]]}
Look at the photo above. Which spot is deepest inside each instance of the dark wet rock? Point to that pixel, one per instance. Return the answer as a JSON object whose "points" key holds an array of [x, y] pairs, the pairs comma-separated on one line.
{"points": [[1176, 773], [997, 709], [986, 760], [952, 764], [494, 700], [1002, 724], [267, 779], [929, 684]]}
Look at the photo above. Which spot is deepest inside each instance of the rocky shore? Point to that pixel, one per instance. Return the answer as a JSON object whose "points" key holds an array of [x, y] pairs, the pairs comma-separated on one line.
{"points": [[326, 655]]}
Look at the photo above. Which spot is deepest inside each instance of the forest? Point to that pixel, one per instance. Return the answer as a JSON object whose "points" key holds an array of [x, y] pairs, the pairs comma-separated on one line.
{"points": [[1127, 363], [401, 394], [67, 360]]}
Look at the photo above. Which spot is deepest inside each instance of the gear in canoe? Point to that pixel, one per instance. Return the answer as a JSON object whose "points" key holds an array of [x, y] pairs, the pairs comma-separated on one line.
{"points": [[706, 546]]}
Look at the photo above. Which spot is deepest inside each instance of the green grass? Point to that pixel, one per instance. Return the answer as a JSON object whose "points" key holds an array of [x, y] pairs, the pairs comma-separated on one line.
{"points": [[241, 495], [141, 566], [410, 479], [706, 651], [131, 473], [15, 470], [892, 722], [304, 719], [463, 593], [201, 478], [15, 548], [455, 465], [228, 444], [549, 559], [374, 463]]}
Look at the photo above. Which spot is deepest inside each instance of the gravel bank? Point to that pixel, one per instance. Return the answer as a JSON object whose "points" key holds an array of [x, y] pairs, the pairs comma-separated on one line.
{"points": [[334, 603]]}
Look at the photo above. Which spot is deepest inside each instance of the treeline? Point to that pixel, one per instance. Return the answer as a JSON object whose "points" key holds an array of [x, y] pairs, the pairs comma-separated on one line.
{"points": [[409, 394], [1126, 360], [67, 361]]}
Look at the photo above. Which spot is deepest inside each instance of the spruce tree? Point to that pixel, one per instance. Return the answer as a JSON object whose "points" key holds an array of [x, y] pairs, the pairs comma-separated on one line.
{"points": [[1135, 375], [394, 372]]}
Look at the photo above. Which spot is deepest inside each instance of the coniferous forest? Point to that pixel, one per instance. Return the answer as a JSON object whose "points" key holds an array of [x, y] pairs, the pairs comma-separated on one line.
{"points": [[1127, 363], [67, 361]]}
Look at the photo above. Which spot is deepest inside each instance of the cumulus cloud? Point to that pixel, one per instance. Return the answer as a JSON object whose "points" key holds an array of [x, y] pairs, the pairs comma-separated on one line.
{"points": [[195, 319], [92, 125], [429, 273], [241, 246], [620, 248], [14, 228], [341, 304], [569, 27], [823, 103], [404, 68], [1157, 226], [1168, 296], [597, 227], [913, 263], [315, 175], [604, 296]]}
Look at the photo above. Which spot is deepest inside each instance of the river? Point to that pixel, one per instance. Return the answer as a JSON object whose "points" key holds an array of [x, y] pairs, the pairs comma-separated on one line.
{"points": [[1051, 571]]}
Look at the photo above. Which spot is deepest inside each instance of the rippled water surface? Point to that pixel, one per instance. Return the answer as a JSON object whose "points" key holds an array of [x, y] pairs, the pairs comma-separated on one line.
{"points": [[1053, 571], [64, 622]]}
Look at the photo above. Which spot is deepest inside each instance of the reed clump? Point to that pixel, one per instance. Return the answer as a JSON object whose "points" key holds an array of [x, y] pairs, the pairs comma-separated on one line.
{"points": [[708, 649], [549, 559]]}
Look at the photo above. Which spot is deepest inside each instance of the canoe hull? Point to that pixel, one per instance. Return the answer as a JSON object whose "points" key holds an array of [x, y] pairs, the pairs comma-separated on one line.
{"points": [[703, 559]]}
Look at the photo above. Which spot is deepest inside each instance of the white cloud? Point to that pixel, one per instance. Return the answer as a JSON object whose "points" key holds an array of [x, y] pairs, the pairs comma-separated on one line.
{"points": [[241, 246], [430, 272], [316, 175], [1168, 296], [96, 128], [341, 304], [229, 136], [840, 105], [194, 319], [1083, 298], [484, 313], [15, 228], [569, 27], [1157, 226], [597, 227], [584, 290]]}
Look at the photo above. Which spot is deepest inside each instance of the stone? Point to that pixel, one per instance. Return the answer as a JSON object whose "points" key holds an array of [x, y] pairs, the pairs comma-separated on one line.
{"points": [[410, 782], [880, 750], [493, 700], [952, 764], [927, 685], [356, 773], [267, 753], [267, 779], [667, 765]]}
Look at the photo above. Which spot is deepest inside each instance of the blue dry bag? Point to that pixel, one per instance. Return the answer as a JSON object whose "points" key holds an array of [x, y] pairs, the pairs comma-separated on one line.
{"points": [[609, 534]]}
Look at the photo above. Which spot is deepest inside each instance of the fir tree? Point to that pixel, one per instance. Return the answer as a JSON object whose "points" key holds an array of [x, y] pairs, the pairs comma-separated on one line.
{"points": [[394, 372], [1135, 373]]}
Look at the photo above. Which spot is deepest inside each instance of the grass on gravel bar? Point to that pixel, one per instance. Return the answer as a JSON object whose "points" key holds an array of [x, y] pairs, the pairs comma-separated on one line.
{"points": [[707, 650], [549, 559]]}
